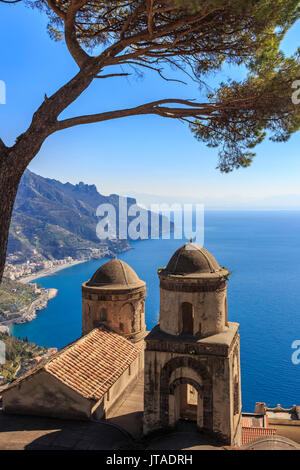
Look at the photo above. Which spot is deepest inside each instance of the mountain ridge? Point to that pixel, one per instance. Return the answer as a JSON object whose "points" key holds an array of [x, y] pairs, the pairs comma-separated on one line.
{"points": [[55, 220]]}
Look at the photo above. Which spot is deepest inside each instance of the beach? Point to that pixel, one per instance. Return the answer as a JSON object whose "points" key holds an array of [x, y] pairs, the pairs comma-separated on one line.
{"points": [[50, 271]]}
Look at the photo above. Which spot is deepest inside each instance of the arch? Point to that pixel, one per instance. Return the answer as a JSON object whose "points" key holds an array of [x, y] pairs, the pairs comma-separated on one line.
{"points": [[187, 381], [103, 314], [206, 388], [187, 318], [236, 382], [127, 309], [127, 316], [226, 310], [186, 401]]}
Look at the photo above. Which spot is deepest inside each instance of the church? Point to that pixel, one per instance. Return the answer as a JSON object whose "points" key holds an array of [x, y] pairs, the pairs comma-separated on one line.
{"points": [[190, 361]]}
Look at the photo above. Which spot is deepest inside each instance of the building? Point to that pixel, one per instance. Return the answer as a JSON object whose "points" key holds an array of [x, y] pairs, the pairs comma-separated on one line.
{"points": [[255, 426], [82, 381], [86, 378], [192, 358], [188, 366], [286, 421], [114, 298]]}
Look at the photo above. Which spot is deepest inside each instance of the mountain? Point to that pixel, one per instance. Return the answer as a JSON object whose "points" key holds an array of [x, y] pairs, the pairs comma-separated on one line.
{"points": [[53, 220]]}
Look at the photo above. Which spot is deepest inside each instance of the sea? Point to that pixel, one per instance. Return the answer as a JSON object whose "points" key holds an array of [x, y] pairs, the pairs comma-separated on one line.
{"points": [[261, 249]]}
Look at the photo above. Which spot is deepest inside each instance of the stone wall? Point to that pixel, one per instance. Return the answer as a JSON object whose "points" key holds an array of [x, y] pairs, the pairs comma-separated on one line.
{"points": [[208, 301], [213, 377], [202, 302], [43, 395], [120, 311]]}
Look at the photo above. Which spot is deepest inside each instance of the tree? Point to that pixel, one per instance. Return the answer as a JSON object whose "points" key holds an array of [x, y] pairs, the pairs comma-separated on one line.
{"points": [[191, 36]]}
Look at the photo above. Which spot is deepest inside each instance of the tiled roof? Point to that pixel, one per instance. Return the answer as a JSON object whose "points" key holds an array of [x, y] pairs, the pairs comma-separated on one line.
{"points": [[254, 420], [246, 422], [252, 434], [90, 365]]}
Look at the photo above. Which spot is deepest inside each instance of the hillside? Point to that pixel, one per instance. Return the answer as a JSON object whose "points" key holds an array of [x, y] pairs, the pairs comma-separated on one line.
{"points": [[54, 220], [21, 356], [15, 296], [19, 302]]}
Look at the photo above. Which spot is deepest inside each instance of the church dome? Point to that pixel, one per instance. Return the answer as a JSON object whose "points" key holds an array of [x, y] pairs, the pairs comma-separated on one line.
{"points": [[115, 273], [192, 259]]}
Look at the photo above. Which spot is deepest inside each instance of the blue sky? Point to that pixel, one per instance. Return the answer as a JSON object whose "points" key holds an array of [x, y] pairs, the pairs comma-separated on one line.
{"points": [[140, 156]]}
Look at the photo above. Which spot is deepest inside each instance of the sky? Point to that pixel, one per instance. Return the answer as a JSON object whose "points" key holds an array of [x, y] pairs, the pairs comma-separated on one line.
{"points": [[152, 158]]}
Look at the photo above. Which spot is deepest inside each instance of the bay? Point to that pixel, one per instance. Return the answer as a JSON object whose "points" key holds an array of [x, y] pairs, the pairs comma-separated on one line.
{"points": [[262, 251]]}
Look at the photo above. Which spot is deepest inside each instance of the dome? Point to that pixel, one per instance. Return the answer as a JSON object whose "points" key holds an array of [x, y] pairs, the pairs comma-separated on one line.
{"points": [[192, 259], [115, 273]]}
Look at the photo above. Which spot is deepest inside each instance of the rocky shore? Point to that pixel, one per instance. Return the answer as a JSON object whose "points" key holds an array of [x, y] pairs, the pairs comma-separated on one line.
{"points": [[28, 313]]}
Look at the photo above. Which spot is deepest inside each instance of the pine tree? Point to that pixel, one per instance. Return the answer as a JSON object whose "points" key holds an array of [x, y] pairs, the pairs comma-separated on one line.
{"points": [[194, 37]]}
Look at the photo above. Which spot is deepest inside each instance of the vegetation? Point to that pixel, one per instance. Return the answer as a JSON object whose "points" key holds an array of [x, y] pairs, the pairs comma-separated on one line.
{"points": [[19, 355], [15, 296], [112, 38], [228, 274], [52, 220], [160, 269], [56, 220]]}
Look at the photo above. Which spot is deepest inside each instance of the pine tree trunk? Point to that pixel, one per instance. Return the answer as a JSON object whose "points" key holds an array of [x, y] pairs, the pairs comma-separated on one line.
{"points": [[9, 181], [14, 160]]}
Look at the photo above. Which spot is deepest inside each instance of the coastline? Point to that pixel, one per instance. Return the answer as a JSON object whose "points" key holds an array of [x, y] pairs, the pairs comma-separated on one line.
{"points": [[53, 270], [52, 293], [50, 271], [29, 313]]}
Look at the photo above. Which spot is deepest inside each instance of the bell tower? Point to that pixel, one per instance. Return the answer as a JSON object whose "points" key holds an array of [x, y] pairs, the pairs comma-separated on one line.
{"points": [[115, 298], [192, 357]]}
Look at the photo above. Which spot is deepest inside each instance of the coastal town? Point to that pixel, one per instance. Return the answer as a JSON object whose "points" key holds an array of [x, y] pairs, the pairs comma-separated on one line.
{"points": [[149, 229], [31, 267], [20, 304], [37, 267]]}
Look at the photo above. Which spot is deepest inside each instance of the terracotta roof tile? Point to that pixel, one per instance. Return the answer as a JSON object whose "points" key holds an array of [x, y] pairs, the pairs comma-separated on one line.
{"points": [[252, 434], [90, 365], [246, 422]]}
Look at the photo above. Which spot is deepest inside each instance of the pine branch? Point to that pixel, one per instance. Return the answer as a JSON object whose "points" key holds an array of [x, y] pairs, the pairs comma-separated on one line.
{"points": [[196, 110]]}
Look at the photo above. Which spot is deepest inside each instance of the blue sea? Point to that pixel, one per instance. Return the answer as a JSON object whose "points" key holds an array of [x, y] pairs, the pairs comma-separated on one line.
{"points": [[261, 249]]}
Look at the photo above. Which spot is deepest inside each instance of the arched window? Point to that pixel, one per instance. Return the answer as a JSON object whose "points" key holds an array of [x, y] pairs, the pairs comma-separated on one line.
{"points": [[103, 314], [226, 312], [187, 318], [236, 388]]}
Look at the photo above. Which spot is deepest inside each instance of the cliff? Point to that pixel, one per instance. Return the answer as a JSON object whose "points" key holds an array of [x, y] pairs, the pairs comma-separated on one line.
{"points": [[54, 220], [20, 302]]}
